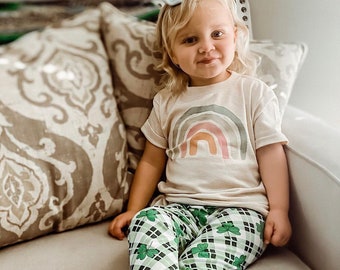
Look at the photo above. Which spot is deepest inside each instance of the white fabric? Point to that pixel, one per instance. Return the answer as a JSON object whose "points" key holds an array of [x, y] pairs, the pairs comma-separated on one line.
{"points": [[91, 247], [211, 134], [313, 158]]}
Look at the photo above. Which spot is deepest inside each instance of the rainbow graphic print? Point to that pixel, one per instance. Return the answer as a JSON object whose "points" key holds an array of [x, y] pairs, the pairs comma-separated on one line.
{"points": [[210, 130]]}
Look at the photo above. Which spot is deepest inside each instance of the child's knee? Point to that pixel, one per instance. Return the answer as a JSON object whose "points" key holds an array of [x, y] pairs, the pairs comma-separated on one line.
{"points": [[147, 218], [151, 214], [150, 220]]}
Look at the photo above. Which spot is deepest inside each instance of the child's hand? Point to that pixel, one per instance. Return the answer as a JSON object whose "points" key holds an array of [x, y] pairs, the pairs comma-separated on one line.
{"points": [[117, 227], [277, 230]]}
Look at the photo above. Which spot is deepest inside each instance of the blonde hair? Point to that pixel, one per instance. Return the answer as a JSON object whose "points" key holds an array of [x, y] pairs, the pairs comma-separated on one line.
{"points": [[174, 18]]}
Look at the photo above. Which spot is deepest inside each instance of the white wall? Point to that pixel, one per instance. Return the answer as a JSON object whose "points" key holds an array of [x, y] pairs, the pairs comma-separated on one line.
{"points": [[317, 23]]}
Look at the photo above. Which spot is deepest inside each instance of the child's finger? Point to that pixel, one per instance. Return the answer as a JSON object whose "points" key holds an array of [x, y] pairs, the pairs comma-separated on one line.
{"points": [[268, 232], [115, 229]]}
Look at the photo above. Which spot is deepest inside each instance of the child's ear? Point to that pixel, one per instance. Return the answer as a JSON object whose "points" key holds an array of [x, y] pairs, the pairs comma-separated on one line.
{"points": [[235, 34]]}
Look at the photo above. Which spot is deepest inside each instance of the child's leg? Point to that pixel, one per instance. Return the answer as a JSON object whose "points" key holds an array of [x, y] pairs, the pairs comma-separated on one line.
{"points": [[157, 235], [231, 238]]}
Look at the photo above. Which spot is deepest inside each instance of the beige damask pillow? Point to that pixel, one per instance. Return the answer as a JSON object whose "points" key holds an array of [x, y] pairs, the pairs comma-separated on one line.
{"points": [[63, 159], [133, 56]]}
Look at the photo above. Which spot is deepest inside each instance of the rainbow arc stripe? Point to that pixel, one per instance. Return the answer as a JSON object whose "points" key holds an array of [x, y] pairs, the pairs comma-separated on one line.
{"points": [[216, 126]]}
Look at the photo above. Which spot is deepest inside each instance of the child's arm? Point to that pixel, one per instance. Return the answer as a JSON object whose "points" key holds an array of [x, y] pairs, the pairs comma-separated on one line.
{"points": [[274, 173], [144, 183]]}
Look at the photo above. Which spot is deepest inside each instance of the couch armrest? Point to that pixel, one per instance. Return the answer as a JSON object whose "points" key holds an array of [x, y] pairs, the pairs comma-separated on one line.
{"points": [[313, 157]]}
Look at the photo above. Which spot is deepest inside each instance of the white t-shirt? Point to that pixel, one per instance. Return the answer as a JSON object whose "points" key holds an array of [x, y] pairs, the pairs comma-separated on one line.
{"points": [[211, 134]]}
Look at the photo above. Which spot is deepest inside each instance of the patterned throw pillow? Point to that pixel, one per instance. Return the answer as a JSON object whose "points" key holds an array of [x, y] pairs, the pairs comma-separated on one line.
{"points": [[133, 57], [63, 160], [279, 66], [132, 53]]}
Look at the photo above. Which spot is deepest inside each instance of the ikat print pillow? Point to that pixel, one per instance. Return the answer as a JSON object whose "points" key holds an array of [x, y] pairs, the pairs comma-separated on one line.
{"points": [[133, 57], [63, 159]]}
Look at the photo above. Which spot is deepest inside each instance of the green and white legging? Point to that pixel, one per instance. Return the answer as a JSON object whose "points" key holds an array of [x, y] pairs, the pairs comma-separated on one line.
{"points": [[179, 236]]}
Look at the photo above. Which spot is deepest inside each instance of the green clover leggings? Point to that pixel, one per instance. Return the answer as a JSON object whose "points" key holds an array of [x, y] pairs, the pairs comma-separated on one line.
{"points": [[187, 237]]}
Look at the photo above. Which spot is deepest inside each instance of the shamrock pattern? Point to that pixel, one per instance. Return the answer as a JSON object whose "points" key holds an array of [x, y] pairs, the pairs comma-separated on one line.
{"points": [[144, 252], [178, 231], [228, 227], [201, 214], [201, 250], [260, 229], [239, 261], [150, 214]]}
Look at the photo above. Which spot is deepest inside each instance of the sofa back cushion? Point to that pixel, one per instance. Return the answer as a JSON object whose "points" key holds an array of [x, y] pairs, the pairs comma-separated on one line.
{"points": [[62, 142]]}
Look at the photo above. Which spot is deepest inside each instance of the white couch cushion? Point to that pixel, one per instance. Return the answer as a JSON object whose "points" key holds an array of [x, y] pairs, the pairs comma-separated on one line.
{"points": [[91, 248], [313, 157]]}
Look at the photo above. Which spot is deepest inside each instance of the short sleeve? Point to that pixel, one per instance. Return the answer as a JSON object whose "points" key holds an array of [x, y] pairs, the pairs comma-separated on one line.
{"points": [[152, 128], [267, 124]]}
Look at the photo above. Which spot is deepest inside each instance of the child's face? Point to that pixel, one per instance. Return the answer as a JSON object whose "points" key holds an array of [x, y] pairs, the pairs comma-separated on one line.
{"points": [[205, 47]]}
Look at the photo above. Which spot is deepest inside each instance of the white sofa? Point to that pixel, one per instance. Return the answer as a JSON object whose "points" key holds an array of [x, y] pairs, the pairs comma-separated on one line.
{"points": [[313, 155]]}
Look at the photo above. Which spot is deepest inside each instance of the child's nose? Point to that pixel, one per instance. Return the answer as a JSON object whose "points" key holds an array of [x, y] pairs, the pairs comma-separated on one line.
{"points": [[206, 46]]}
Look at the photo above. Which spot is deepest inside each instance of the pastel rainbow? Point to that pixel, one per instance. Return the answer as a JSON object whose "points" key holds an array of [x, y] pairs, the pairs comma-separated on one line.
{"points": [[214, 124], [201, 132]]}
